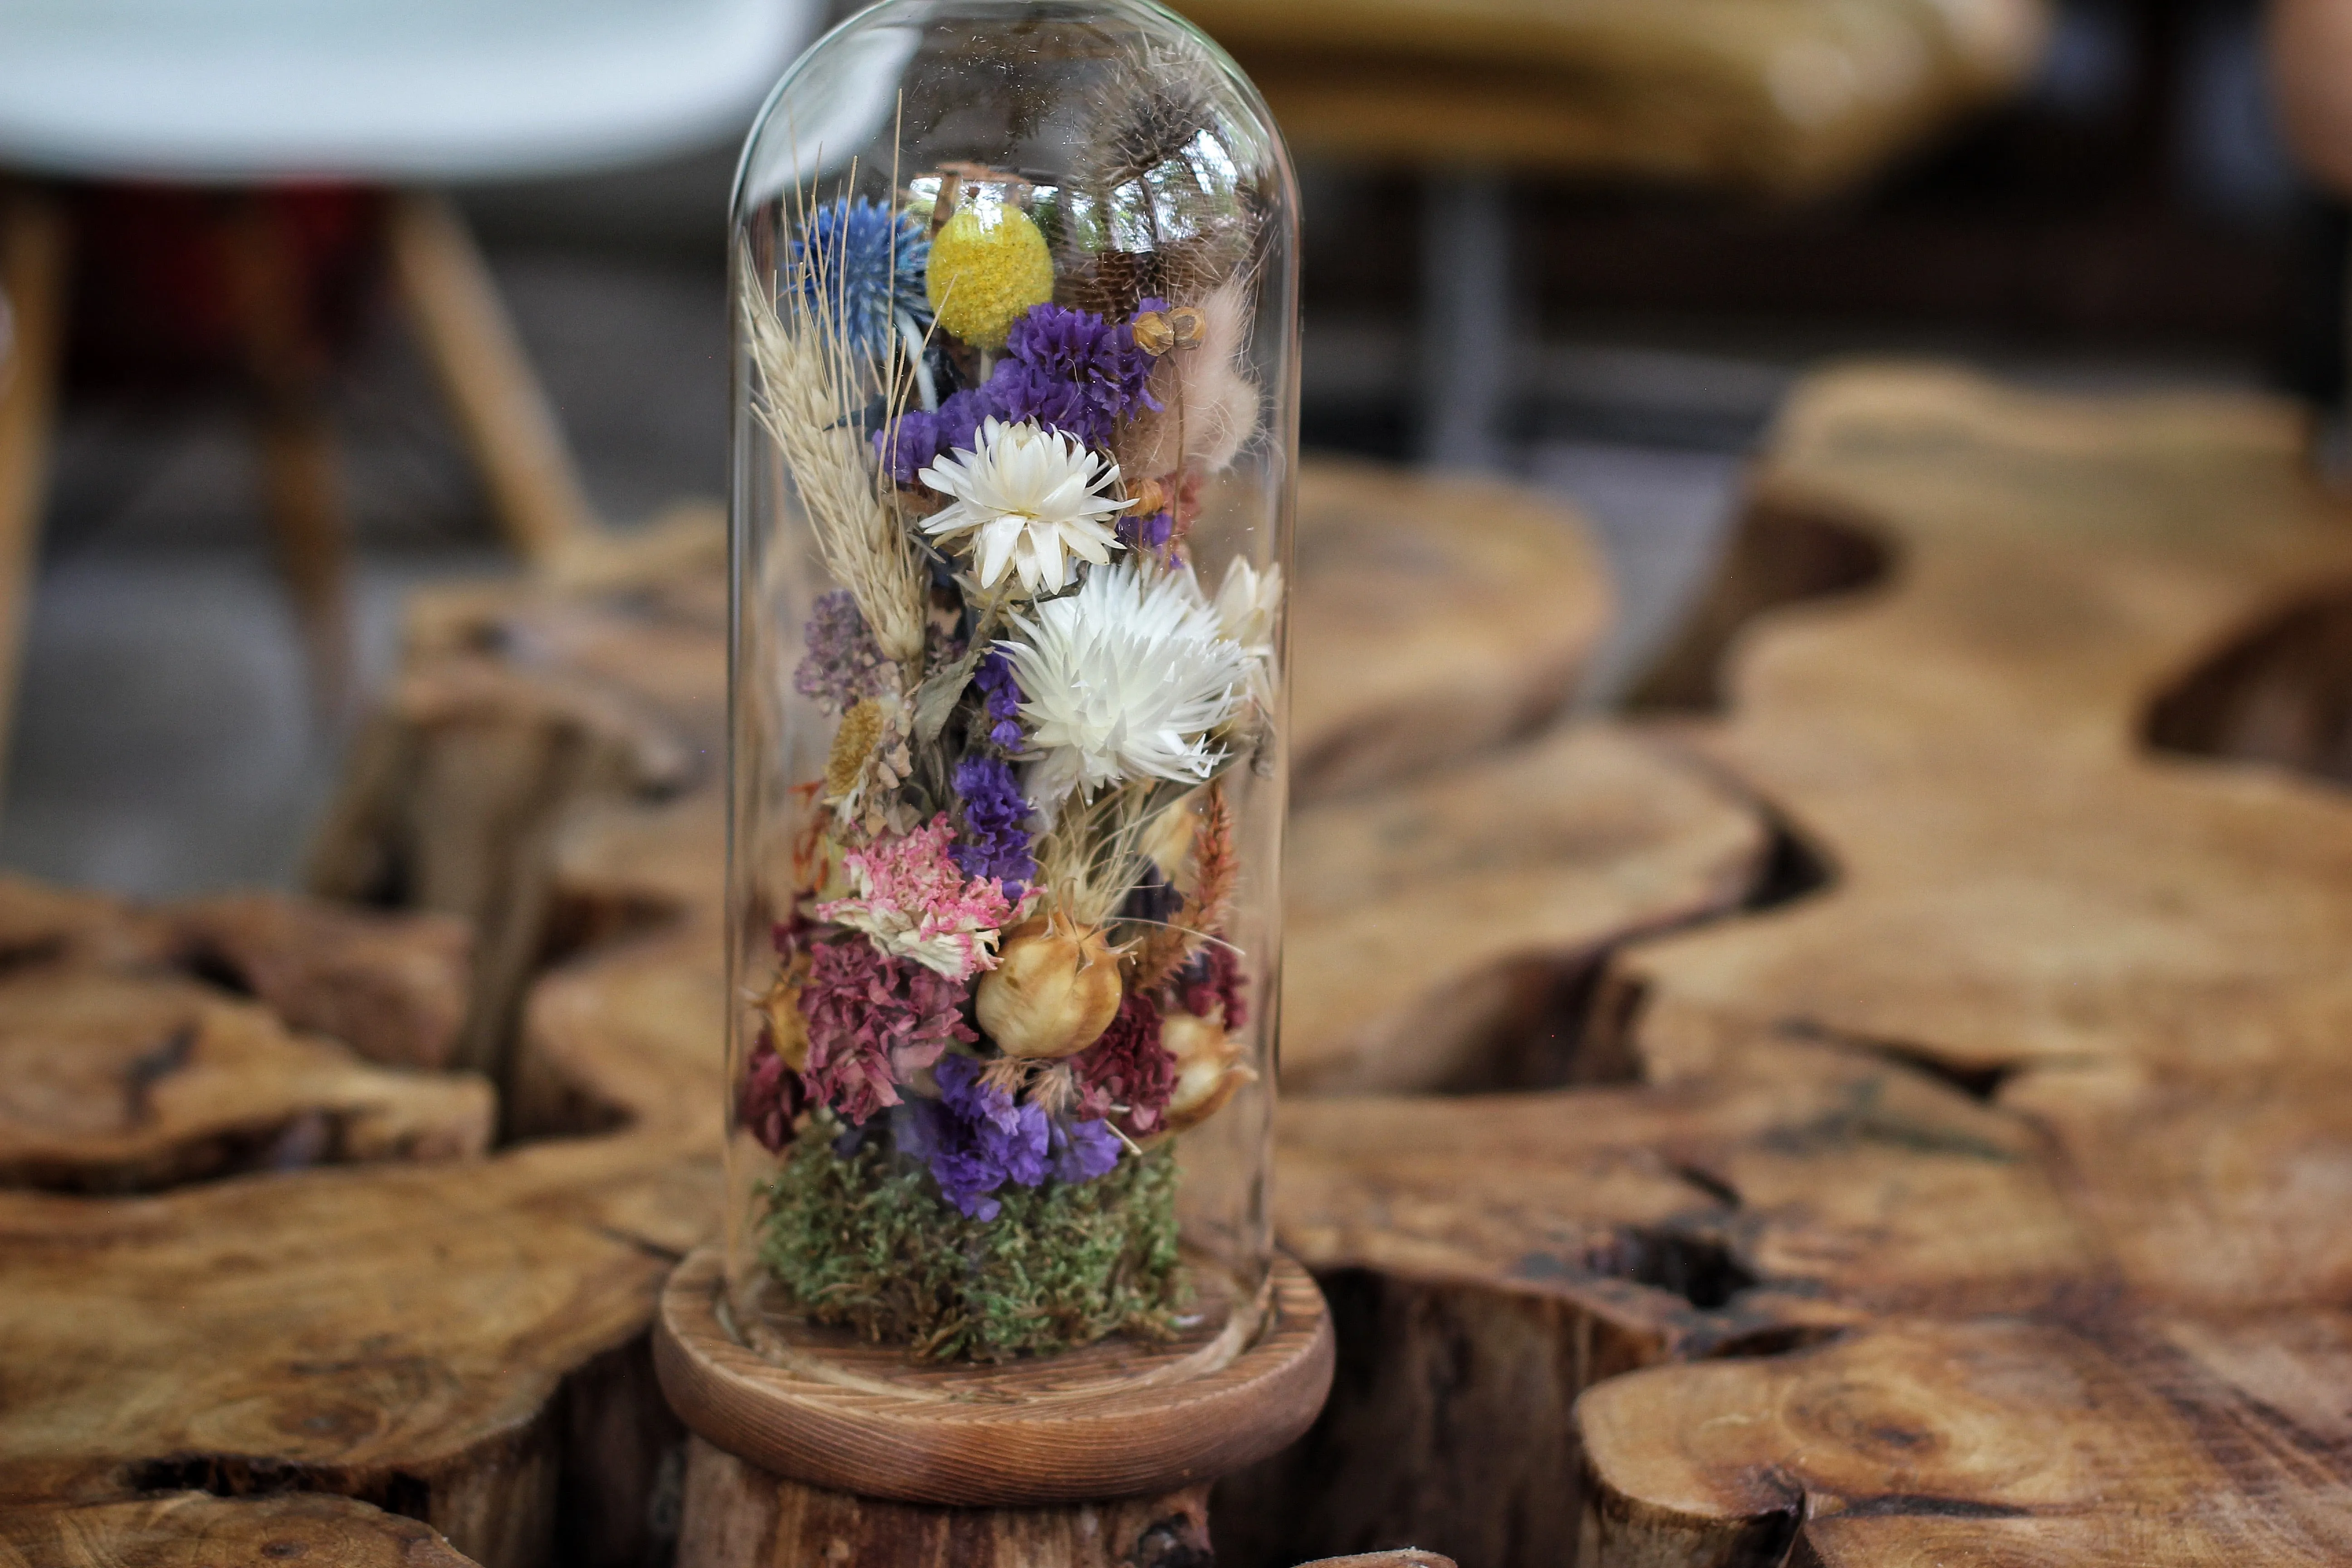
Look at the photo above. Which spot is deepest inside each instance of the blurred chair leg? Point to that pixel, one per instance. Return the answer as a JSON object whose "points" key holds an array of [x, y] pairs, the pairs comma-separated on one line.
{"points": [[1468, 320], [500, 404], [288, 367], [33, 252]]}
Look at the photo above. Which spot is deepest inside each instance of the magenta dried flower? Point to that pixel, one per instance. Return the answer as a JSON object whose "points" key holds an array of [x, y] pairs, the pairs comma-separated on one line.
{"points": [[874, 1022], [1128, 1074], [772, 1098], [1211, 986]]}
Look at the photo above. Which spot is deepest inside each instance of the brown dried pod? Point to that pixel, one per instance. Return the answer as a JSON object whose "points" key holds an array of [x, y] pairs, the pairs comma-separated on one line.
{"points": [[1054, 991], [1208, 1069], [1146, 496], [781, 1009]]}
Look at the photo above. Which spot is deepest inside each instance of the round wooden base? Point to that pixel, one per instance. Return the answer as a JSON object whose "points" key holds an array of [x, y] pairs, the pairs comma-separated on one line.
{"points": [[1024, 1435]]}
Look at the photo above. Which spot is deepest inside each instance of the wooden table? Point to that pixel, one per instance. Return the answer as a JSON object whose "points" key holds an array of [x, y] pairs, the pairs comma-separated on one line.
{"points": [[1908, 1112]]}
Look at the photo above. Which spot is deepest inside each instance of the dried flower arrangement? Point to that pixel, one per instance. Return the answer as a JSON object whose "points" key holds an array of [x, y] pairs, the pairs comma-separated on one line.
{"points": [[1006, 981]]}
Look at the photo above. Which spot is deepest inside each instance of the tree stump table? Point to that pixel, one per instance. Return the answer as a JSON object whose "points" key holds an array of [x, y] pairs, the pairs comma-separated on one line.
{"points": [[1964, 1195]]}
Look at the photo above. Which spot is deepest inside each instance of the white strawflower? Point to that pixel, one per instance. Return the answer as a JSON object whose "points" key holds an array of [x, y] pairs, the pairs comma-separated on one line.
{"points": [[1028, 495], [1248, 604], [1248, 607], [1125, 678]]}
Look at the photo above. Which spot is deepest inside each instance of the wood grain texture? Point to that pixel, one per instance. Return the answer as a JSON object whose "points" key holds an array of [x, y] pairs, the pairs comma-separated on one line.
{"points": [[1432, 618], [191, 1530], [1968, 1196], [2152, 1442], [1427, 923], [402, 1335], [111, 1084], [1066, 1429], [392, 987], [2129, 954], [142, 1047], [739, 1516], [1794, 97]]}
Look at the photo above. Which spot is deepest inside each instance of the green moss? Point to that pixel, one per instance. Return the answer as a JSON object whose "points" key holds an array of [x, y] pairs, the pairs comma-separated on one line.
{"points": [[866, 1241]]}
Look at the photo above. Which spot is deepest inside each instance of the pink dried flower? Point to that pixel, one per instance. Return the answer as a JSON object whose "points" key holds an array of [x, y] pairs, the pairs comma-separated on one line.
{"points": [[914, 902], [874, 1022]]}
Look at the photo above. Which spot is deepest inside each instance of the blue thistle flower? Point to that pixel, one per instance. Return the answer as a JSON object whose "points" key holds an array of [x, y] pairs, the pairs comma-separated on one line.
{"points": [[867, 262]]}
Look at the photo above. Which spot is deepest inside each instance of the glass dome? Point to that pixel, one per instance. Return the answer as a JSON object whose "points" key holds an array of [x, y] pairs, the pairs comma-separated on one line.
{"points": [[1015, 344]]}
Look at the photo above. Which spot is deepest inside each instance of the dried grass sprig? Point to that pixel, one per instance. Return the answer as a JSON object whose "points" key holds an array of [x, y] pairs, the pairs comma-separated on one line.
{"points": [[1092, 856], [1217, 868], [811, 382]]}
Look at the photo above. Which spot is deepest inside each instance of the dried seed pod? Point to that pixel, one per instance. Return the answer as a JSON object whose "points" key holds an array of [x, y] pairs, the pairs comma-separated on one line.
{"points": [[1208, 1069], [780, 1009], [1054, 991], [1145, 497]]}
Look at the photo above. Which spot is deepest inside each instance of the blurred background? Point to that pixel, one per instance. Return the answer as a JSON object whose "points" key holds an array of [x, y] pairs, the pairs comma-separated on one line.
{"points": [[1586, 244]]}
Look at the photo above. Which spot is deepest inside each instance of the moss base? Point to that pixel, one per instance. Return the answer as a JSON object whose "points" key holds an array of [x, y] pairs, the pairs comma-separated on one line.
{"points": [[865, 1241]]}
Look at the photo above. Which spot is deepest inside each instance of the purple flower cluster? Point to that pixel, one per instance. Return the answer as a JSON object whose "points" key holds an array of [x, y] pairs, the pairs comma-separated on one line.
{"points": [[844, 664], [1067, 370], [1146, 534], [1003, 688], [975, 1139], [1079, 350], [1083, 1150], [994, 839]]}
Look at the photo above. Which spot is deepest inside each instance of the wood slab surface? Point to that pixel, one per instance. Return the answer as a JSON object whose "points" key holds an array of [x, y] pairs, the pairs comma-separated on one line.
{"points": [[193, 1530], [1969, 1196]]}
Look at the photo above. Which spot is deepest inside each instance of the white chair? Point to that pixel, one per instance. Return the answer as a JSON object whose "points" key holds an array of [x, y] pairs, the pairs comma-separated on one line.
{"points": [[245, 95]]}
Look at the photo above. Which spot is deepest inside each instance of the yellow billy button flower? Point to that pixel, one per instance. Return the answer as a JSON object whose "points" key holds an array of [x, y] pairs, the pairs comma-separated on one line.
{"points": [[988, 264]]}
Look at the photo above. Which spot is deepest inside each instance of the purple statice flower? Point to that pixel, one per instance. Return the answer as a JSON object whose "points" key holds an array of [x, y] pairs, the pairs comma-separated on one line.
{"points": [[1066, 369], [1079, 350], [1083, 1150], [843, 664], [996, 680], [995, 841], [975, 1139], [863, 263], [1018, 392], [1146, 535], [919, 438]]}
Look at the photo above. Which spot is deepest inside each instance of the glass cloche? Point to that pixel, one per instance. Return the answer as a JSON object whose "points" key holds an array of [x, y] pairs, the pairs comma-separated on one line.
{"points": [[1015, 335]]}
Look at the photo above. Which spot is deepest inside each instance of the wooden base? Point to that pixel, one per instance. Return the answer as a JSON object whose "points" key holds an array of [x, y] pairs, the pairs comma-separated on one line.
{"points": [[1032, 1436], [740, 1516]]}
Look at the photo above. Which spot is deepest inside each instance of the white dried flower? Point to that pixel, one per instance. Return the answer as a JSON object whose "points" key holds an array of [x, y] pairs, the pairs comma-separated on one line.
{"points": [[1125, 678], [1028, 495], [1248, 606]]}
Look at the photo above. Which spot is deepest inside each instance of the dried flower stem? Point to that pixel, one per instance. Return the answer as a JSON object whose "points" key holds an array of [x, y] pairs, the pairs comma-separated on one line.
{"points": [[810, 383]]}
